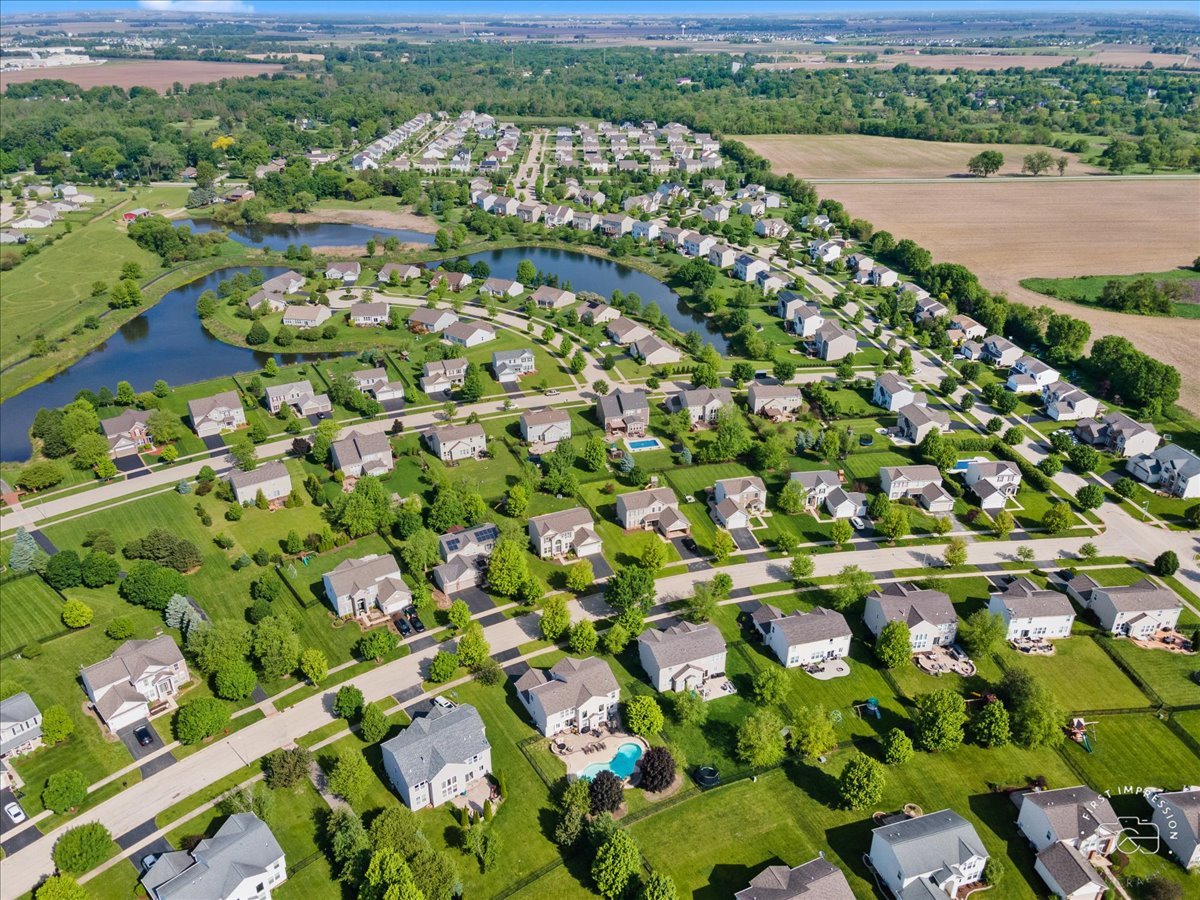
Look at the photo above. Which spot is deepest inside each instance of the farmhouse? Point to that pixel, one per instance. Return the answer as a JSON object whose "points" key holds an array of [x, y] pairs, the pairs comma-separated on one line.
{"points": [[682, 657], [1067, 403], [557, 534], [1171, 469], [914, 422], [574, 693], [137, 674], [832, 342], [305, 315], [653, 351], [438, 757], [893, 392], [431, 321], [931, 856], [1177, 817], [443, 375], [469, 333], [1138, 610], [929, 614], [1032, 613], [547, 297], [127, 433], [654, 508], [1118, 433], [545, 427], [702, 404], [242, 860], [509, 365], [452, 443], [921, 483], [775, 401], [356, 586], [271, 479], [20, 725], [993, 483], [299, 396], [817, 879], [362, 454], [806, 639], [220, 412], [735, 501], [624, 412]]}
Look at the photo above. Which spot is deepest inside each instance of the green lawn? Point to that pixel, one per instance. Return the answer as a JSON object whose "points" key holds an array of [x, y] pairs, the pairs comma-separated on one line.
{"points": [[118, 883], [1086, 289], [1133, 749], [866, 466], [698, 480], [29, 611], [1168, 674]]}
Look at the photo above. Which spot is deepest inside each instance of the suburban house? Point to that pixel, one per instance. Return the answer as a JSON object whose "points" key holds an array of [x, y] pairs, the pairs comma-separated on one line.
{"points": [[355, 586], [653, 508], [431, 321], [736, 500], [596, 313], [127, 433], [451, 443], [964, 328], [138, 673], [817, 879], [695, 244], [774, 401], [1032, 613], [624, 412], [509, 365], [548, 297], [682, 657], [375, 382], [404, 272], [272, 479], [616, 225], [702, 404], [802, 317], [893, 392], [832, 342], [573, 693], [645, 231], [1177, 816], [220, 412], [722, 256], [993, 483], [626, 331], [1001, 352], [501, 287], [1118, 433], [242, 861], [465, 551], [928, 857], [362, 454], [558, 215], [299, 396], [557, 534], [1030, 375], [654, 351], [20, 725], [772, 228], [914, 422], [469, 333], [1170, 469], [345, 272], [438, 757], [364, 315], [805, 639], [305, 315], [544, 428], [1138, 610], [816, 485], [443, 375], [843, 504], [1067, 827], [1067, 403], [921, 483], [927, 308], [773, 282], [929, 614], [273, 302], [747, 267]]}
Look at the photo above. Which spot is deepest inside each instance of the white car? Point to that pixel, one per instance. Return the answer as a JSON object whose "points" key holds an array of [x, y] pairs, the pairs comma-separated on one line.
{"points": [[14, 812], [553, 392], [858, 524], [444, 703]]}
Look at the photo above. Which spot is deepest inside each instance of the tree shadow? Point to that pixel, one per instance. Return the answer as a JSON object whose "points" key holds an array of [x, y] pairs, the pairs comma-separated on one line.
{"points": [[726, 879]]}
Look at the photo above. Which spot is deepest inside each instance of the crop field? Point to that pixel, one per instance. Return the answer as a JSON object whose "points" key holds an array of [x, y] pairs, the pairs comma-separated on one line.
{"points": [[861, 156], [1012, 229], [158, 74]]}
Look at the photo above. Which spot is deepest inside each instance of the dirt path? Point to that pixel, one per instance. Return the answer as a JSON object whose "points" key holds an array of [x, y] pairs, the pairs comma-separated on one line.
{"points": [[374, 218]]}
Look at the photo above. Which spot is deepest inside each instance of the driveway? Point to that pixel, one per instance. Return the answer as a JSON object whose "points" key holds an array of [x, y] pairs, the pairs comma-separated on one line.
{"points": [[139, 752], [600, 567], [744, 538], [476, 599], [393, 406], [684, 553], [44, 542], [24, 838], [128, 464], [513, 387]]}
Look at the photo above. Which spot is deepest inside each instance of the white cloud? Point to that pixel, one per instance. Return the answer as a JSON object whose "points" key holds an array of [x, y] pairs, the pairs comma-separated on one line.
{"points": [[210, 6]]}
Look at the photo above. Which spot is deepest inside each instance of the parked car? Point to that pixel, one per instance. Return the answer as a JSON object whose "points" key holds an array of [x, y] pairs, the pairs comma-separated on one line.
{"points": [[14, 812], [410, 610], [149, 860], [444, 703], [858, 524], [403, 627], [690, 544], [553, 392], [143, 735], [417, 625]]}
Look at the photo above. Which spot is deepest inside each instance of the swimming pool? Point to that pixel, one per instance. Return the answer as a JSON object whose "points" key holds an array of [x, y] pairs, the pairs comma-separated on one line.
{"points": [[645, 444], [621, 765], [961, 465]]}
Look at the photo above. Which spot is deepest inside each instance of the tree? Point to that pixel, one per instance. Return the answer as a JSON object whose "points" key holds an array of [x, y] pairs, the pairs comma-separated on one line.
{"points": [[217, 645], [1166, 564], [955, 553], [348, 702], [1083, 458], [151, 585], [473, 386], [583, 637], [1058, 519], [689, 708], [459, 614], [420, 552], [350, 776], [723, 546], [654, 555], [1050, 466], [57, 725], [894, 644], [1034, 712], [574, 804], [1125, 487], [235, 680], [617, 863], [616, 639], [643, 716], [982, 633], [606, 793], [895, 523], [314, 665], [82, 848], [1003, 523], [507, 568], [840, 531], [556, 618], [374, 726], [802, 566], [986, 163], [813, 734], [580, 576], [632, 586], [1090, 496], [760, 741], [861, 783], [64, 790], [1038, 162], [701, 605], [375, 644], [63, 570], [199, 719], [61, 887], [442, 667], [852, 586], [473, 648], [897, 748], [771, 686], [792, 497], [939, 720], [276, 647], [24, 551], [349, 844], [76, 613], [990, 727], [658, 886]]}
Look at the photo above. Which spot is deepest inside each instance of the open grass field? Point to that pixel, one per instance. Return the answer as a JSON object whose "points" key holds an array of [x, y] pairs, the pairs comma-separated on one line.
{"points": [[1086, 289], [29, 611], [861, 156], [158, 74], [1005, 231]]}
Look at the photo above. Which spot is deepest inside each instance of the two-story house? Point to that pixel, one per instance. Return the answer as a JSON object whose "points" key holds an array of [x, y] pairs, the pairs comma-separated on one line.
{"points": [[558, 534], [127, 433], [509, 365], [1119, 434], [682, 657], [964, 328], [993, 483], [363, 454], [1032, 613], [1176, 814], [439, 756], [20, 726], [914, 422], [816, 484], [929, 857], [443, 375], [747, 267], [929, 614], [656, 508], [806, 639], [624, 412], [220, 412], [1137, 610], [357, 586], [465, 552], [139, 673], [574, 693], [454, 443], [1001, 352], [735, 501], [1068, 827], [1066, 403], [702, 404], [241, 861], [375, 382], [271, 479], [832, 342], [893, 392], [1030, 375], [299, 395], [922, 483], [800, 316], [817, 879], [775, 401], [544, 428]]}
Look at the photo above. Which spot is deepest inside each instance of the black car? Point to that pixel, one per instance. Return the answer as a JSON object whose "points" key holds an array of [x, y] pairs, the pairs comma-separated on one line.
{"points": [[690, 544], [417, 625], [403, 626], [410, 610], [143, 735]]}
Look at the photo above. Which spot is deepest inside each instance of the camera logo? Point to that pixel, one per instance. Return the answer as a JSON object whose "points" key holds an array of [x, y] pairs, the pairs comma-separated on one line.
{"points": [[1135, 835]]}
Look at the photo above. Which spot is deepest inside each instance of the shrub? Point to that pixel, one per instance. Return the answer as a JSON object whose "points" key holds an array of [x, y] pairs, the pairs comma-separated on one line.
{"points": [[64, 790], [57, 725], [200, 719], [861, 783], [76, 614], [348, 702], [82, 848], [1166, 564], [643, 716], [897, 748], [658, 769], [606, 793], [235, 680], [443, 667]]}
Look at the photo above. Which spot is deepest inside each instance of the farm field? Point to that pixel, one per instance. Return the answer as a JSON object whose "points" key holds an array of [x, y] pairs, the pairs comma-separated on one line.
{"points": [[860, 156], [1008, 230], [158, 74]]}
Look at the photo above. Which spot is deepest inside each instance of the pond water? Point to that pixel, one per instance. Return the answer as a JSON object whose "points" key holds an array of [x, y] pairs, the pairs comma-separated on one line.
{"points": [[316, 234]]}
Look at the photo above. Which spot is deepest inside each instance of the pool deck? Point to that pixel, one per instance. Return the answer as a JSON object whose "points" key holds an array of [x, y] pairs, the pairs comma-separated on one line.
{"points": [[573, 749], [647, 444]]}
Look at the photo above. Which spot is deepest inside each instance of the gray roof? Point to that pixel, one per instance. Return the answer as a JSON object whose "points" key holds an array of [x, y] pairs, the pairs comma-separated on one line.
{"points": [[620, 404], [923, 415], [369, 309], [1025, 600], [132, 660], [16, 710], [931, 842], [467, 540], [357, 446], [445, 366], [893, 383], [547, 416], [1068, 867], [683, 643], [570, 683], [433, 741], [505, 356], [642, 499], [562, 521], [124, 422], [819, 625], [202, 406], [1140, 596], [812, 479], [914, 605], [1183, 806], [466, 330], [304, 386], [242, 848], [818, 879], [701, 397], [765, 613], [1074, 813], [448, 433], [261, 475], [426, 316], [355, 574], [990, 468]]}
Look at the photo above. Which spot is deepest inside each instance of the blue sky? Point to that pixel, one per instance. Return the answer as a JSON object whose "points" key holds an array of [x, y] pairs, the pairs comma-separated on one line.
{"points": [[558, 8]]}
